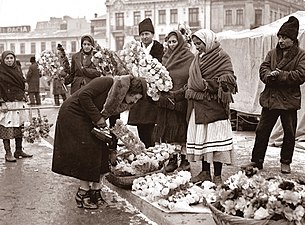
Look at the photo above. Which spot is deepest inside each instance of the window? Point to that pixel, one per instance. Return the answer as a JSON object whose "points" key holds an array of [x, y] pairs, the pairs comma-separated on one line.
{"points": [[258, 17], [194, 17], [148, 14], [73, 46], [119, 21], [240, 17], [173, 16], [228, 19], [162, 17], [33, 48], [119, 41], [43, 46], [1, 48], [275, 16], [136, 17], [22, 48], [53, 46], [12, 47], [162, 38], [271, 16]]}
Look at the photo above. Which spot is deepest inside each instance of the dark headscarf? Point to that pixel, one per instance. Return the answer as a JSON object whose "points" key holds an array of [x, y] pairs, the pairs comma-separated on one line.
{"points": [[11, 76], [87, 38], [180, 55]]}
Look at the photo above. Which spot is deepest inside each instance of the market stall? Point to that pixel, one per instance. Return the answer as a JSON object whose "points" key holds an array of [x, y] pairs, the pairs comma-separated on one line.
{"points": [[248, 49]]}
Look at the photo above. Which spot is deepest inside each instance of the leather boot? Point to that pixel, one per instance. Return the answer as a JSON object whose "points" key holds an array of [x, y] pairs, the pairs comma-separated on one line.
{"points": [[19, 153], [8, 154], [202, 176], [172, 164], [184, 164]]}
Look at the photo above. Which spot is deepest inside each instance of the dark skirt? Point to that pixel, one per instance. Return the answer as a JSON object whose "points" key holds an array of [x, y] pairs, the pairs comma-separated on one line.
{"points": [[10, 132], [77, 152], [171, 126]]}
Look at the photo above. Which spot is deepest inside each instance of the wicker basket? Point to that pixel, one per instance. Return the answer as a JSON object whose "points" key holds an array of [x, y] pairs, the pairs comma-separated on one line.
{"points": [[125, 182], [222, 219]]}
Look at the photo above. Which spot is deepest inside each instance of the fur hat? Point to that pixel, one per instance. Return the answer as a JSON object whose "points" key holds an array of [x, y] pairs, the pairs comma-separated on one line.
{"points": [[290, 28], [146, 25]]}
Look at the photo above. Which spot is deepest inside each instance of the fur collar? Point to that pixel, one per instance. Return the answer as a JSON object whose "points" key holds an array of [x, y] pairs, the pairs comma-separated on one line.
{"points": [[115, 102]]}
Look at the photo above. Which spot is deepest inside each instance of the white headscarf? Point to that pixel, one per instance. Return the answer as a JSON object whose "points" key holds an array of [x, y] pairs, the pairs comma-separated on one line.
{"points": [[208, 37]]}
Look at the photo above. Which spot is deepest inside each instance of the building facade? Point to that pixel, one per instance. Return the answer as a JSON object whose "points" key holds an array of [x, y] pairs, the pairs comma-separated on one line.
{"points": [[240, 14], [26, 43], [125, 15]]}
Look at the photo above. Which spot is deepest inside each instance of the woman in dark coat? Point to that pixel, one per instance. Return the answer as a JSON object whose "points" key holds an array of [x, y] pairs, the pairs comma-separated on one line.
{"points": [[58, 85], [171, 123], [77, 152], [82, 68], [12, 96]]}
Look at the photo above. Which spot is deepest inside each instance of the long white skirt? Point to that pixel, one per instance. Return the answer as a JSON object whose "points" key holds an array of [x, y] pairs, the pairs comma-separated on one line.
{"points": [[213, 141]]}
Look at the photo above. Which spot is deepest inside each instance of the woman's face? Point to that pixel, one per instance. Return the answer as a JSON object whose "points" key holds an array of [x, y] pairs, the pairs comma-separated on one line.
{"points": [[132, 98], [200, 46], [172, 42], [9, 60], [87, 46]]}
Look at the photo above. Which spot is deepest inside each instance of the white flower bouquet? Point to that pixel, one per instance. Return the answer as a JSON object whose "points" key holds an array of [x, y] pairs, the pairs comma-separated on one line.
{"points": [[108, 63], [140, 64], [251, 196], [49, 65]]}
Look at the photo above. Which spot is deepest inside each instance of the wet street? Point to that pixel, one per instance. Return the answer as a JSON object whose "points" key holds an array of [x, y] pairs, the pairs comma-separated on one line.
{"points": [[31, 194]]}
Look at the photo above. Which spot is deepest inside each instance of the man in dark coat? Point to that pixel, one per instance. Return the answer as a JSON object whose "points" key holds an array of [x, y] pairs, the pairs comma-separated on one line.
{"points": [[283, 71], [143, 113], [32, 78]]}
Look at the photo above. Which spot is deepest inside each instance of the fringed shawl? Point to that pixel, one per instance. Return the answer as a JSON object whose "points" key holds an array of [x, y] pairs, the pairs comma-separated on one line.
{"points": [[214, 65]]}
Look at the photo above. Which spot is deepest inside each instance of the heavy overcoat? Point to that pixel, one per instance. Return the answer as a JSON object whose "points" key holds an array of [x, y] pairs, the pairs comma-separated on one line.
{"points": [[284, 92], [144, 111], [82, 71], [77, 152], [171, 122], [32, 78]]}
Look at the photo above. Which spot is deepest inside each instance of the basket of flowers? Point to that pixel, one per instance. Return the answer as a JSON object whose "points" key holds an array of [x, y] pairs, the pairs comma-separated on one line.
{"points": [[250, 199], [131, 166]]}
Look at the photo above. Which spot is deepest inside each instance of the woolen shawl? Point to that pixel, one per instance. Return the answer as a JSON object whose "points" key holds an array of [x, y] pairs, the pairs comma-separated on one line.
{"points": [[10, 75], [216, 65], [175, 60]]}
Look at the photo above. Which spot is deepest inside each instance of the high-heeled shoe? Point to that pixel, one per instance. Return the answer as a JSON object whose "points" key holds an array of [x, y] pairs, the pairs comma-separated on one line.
{"points": [[83, 200], [96, 197]]}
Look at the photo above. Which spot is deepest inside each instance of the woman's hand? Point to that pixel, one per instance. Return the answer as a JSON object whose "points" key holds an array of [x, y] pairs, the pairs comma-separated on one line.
{"points": [[101, 123]]}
